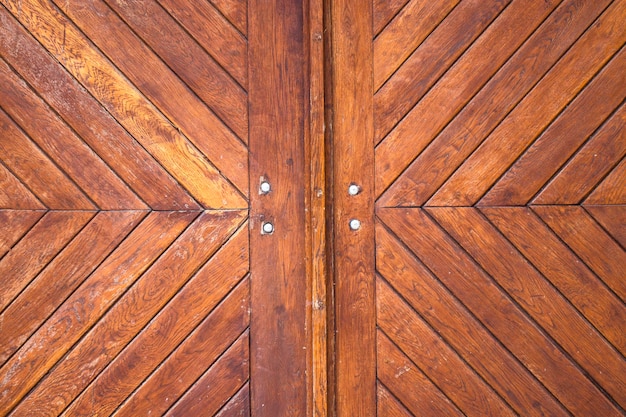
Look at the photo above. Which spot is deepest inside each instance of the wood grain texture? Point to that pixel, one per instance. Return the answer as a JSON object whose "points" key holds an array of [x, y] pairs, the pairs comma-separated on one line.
{"points": [[239, 405], [14, 195], [387, 405], [236, 11], [13, 225], [384, 11], [612, 189], [612, 219]]}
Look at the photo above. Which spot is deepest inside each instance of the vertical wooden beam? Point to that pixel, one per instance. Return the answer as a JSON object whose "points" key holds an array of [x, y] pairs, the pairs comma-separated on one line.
{"points": [[277, 95], [353, 163]]}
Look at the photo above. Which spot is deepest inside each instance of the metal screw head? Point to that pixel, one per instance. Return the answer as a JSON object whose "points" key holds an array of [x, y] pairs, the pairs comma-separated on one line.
{"points": [[265, 187], [355, 224], [353, 189], [267, 228]]}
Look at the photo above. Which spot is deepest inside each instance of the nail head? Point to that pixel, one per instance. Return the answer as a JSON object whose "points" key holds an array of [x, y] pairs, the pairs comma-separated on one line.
{"points": [[355, 224]]}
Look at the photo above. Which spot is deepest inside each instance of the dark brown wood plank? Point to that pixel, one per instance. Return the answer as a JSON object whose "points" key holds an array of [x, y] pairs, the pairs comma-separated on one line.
{"points": [[225, 44], [564, 270], [407, 382], [404, 34], [537, 296], [516, 331], [387, 405], [13, 226], [613, 219], [36, 249], [14, 195], [462, 330], [612, 190], [460, 83], [83, 308], [239, 405], [278, 99], [438, 361], [102, 133], [236, 11], [587, 168], [62, 384], [353, 163], [218, 384]]}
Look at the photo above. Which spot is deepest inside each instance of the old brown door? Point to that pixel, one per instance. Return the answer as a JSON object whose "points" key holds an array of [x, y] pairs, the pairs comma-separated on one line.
{"points": [[292, 208]]}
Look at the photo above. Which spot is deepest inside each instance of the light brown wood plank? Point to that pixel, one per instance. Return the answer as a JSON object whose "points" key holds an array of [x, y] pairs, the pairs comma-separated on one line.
{"points": [[36, 249], [14, 195], [225, 44], [83, 308], [460, 83], [14, 225], [404, 34], [387, 405], [236, 11], [516, 331], [612, 190], [462, 330], [537, 110], [218, 384], [407, 382], [536, 296], [384, 11], [439, 362], [192, 358], [431, 60], [168, 329], [559, 265], [62, 384], [467, 130], [189, 61], [613, 219], [89, 119], [587, 168]]}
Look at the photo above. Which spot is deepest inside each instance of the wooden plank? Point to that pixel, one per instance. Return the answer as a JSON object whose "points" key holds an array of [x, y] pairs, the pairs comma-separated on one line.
{"points": [[460, 83], [14, 195], [62, 276], [537, 110], [353, 163], [407, 382], [516, 331], [384, 11], [438, 361], [189, 61], [491, 104], [102, 133], [168, 329], [612, 190], [192, 358], [405, 33], [86, 305], [613, 219], [590, 164], [62, 384], [479, 348], [431, 60], [564, 270], [63, 146], [13, 225], [36, 249], [239, 405], [387, 405], [537, 296], [279, 295], [218, 37], [218, 384], [236, 11]]}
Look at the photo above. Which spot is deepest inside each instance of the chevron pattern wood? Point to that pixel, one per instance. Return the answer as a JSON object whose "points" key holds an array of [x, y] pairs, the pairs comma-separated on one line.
{"points": [[500, 155]]}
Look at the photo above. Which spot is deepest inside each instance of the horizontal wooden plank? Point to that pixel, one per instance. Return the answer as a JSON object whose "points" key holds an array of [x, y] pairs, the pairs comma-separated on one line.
{"points": [[13, 225]]}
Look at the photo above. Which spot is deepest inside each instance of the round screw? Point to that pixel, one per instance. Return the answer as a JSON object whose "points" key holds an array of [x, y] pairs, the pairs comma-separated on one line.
{"points": [[265, 187], [355, 224], [267, 228], [353, 189]]}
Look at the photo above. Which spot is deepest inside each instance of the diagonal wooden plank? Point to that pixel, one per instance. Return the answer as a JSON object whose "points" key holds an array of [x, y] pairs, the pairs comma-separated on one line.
{"points": [[587, 168], [62, 276], [62, 384], [482, 114], [239, 405], [192, 358], [536, 296], [612, 190], [36, 249], [613, 219], [225, 44], [236, 11], [439, 362], [462, 331], [538, 109], [564, 270], [498, 312], [457, 87], [81, 310], [34, 168], [62, 145], [387, 405], [218, 384], [14, 195], [407, 382], [126, 104], [384, 11], [404, 33], [431, 60], [14, 225], [76, 106], [167, 330]]}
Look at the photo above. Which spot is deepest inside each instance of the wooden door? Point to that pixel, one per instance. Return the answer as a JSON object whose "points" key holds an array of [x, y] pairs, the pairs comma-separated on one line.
{"points": [[491, 136]]}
